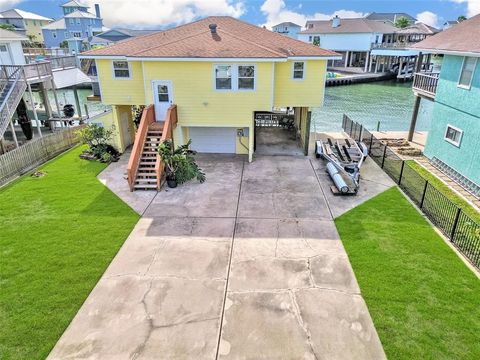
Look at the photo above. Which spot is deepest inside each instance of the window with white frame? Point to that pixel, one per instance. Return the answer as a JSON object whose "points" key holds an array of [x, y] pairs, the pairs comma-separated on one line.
{"points": [[223, 77], [298, 70], [78, 21], [71, 21], [234, 77], [453, 135], [246, 77], [121, 70], [77, 34], [66, 35], [468, 69]]}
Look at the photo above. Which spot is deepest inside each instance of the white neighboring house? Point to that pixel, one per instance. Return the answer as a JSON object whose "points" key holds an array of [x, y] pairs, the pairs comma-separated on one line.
{"points": [[11, 51], [353, 38], [287, 28]]}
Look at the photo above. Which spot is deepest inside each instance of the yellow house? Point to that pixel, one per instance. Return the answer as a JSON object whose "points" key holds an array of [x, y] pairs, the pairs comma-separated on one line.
{"points": [[26, 22], [219, 72]]}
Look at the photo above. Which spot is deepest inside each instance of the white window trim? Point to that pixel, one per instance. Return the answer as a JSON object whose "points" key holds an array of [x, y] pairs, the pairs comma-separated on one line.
{"points": [[234, 70], [254, 77], [469, 86], [121, 78], [457, 144], [304, 70]]}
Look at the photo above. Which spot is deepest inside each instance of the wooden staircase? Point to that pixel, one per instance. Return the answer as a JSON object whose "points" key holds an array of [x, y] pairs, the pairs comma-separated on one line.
{"points": [[145, 169], [146, 177]]}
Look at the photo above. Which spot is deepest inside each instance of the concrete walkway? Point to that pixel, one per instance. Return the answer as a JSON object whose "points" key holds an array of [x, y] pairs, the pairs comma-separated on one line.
{"points": [[248, 265]]}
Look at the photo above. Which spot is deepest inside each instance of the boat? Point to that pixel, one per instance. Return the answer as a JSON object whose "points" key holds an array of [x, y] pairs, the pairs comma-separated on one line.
{"points": [[344, 159]]}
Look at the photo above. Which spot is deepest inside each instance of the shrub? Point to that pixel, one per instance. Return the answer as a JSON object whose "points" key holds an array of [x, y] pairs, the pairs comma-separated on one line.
{"points": [[180, 163], [97, 139]]}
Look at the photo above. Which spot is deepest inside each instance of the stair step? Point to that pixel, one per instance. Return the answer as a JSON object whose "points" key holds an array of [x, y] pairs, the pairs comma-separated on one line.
{"points": [[145, 186], [146, 173], [148, 181]]}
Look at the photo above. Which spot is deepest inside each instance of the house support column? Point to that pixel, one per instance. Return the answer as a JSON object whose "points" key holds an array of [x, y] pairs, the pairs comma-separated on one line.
{"points": [[413, 123], [400, 66], [13, 133], [46, 104], [251, 133], [77, 102], [367, 60], [418, 66], [346, 58], [370, 64], [351, 59], [376, 64], [35, 115]]}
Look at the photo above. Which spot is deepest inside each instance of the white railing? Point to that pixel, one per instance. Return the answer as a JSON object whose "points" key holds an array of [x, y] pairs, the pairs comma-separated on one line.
{"points": [[426, 83], [13, 87]]}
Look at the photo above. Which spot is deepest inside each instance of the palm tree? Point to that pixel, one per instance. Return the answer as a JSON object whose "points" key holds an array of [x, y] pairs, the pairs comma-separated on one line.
{"points": [[402, 22], [461, 18]]}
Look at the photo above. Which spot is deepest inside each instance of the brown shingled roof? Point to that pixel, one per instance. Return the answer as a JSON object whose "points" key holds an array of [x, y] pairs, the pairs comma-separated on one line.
{"points": [[463, 37], [233, 39]]}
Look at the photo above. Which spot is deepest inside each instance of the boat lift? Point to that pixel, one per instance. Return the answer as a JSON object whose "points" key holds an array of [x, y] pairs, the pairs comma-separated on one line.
{"points": [[344, 160]]}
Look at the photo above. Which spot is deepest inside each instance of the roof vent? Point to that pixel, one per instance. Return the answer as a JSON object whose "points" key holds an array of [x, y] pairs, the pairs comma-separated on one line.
{"points": [[336, 21], [213, 28]]}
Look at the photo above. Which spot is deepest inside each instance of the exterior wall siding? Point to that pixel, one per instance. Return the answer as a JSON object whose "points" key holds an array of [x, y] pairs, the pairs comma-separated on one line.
{"points": [[121, 91], [308, 92], [460, 108], [345, 42]]}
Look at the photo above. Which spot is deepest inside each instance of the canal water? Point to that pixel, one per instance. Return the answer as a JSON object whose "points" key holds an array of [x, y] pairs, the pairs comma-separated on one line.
{"points": [[66, 96], [388, 102]]}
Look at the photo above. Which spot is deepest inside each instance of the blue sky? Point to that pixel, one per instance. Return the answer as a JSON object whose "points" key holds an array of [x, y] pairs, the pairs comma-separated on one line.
{"points": [[165, 13]]}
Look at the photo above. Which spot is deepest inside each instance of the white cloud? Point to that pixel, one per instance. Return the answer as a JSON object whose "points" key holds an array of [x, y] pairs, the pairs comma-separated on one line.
{"points": [[160, 13], [429, 18], [473, 6], [276, 12], [8, 4]]}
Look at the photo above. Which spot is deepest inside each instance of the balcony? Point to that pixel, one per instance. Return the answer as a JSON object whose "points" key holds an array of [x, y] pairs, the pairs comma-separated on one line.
{"points": [[393, 45], [425, 84]]}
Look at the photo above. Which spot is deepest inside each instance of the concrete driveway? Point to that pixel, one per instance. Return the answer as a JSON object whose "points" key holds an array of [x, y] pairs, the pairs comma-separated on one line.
{"points": [[248, 265]]}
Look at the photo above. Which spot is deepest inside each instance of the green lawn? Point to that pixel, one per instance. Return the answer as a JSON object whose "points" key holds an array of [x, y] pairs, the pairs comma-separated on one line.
{"points": [[58, 234], [445, 190], [424, 301]]}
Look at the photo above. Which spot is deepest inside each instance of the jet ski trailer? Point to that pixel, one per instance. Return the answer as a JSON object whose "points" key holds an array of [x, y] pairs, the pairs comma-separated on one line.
{"points": [[344, 159]]}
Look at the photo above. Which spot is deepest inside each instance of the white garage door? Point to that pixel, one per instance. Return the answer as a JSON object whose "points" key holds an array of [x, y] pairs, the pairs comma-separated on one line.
{"points": [[213, 139]]}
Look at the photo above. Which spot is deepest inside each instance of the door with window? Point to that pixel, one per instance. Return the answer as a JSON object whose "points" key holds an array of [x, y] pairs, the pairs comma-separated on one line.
{"points": [[5, 56], [162, 98]]}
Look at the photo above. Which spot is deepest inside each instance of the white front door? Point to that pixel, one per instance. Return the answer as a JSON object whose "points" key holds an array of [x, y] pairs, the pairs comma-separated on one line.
{"points": [[162, 98], [5, 56]]}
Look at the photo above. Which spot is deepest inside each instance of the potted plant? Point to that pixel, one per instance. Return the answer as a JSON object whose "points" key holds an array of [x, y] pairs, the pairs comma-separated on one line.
{"points": [[180, 165]]}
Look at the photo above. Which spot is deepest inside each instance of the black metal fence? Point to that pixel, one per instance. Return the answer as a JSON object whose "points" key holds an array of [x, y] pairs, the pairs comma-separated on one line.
{"points": [[461, 230]]}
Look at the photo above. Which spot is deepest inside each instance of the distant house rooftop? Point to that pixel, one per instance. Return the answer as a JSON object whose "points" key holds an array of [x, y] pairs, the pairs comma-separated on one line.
{"points": [[56, 25], [461, 39], [81, 14], [20, 14], [418, 28], [128, 32], [288, 24], [392, 17], [74, 3], [10, 35], [212, 38], [356, 25]]}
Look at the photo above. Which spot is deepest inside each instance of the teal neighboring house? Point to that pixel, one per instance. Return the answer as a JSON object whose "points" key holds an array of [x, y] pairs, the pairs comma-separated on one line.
{"points": [[453, 142]]}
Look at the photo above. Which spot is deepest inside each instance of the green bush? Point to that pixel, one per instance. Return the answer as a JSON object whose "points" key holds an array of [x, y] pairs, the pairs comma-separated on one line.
{"points": [[97, 139], [180, 163]]}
